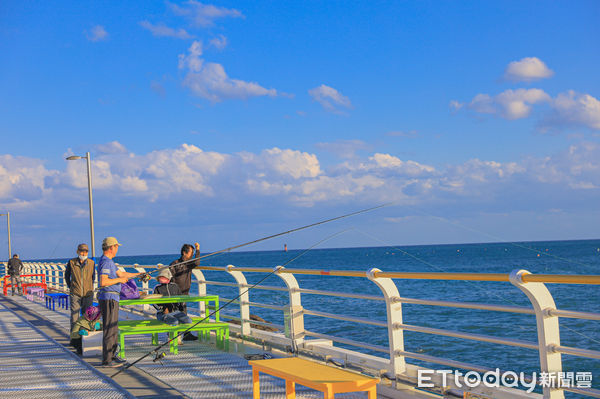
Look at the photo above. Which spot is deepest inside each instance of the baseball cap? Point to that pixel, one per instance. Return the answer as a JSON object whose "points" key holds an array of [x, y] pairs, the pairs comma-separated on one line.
{"points": [[110, 241], [82, 247]]}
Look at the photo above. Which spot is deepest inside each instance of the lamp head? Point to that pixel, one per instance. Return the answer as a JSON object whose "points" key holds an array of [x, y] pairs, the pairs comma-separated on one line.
{"points": [[74, 157]]}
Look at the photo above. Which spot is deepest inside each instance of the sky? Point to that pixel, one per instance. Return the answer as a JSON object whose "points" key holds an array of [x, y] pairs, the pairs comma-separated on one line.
{"points": [[223, 122]]}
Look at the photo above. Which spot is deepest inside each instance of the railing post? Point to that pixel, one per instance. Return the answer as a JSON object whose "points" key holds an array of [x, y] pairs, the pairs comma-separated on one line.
{"points": [[49, 270], [294, 317], [394, 319], [201, 291], [61, 280], [547, 329], [244, 299]]}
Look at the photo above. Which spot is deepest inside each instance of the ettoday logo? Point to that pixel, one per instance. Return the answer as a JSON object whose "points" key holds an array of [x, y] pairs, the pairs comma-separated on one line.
{"points": [[508, 379]]}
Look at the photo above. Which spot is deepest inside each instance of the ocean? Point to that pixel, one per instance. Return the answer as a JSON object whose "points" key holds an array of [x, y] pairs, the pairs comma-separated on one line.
{"points": [[553, 257]]}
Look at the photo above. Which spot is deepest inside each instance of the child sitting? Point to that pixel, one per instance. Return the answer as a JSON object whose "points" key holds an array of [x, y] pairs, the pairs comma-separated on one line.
{"points": [[171, 313], [89, 321]]}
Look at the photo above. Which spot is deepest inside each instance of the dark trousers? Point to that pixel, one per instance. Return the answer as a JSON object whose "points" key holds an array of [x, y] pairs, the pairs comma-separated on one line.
{"points": [[185, 292], [15, 280], [79, 303], [110, 328]]}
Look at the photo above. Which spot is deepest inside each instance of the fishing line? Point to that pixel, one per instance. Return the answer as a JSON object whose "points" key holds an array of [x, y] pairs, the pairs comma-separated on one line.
{"points": [[506, 242], [500, 239], [387, 244], [159, 356], [146, 276], [56, 247]]}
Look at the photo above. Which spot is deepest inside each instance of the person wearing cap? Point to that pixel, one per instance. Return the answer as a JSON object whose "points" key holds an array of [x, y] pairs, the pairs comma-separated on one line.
{"points": [[170, 313], [80, 274], [110, 279]]}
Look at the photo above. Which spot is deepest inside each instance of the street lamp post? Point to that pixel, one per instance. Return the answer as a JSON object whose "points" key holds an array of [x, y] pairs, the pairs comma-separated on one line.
{"points": [[89, 173], [7, 214]]}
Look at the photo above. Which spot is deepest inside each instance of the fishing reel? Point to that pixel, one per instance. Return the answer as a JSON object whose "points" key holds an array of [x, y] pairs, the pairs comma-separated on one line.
{"points": [[145, 277], [159, 356]]}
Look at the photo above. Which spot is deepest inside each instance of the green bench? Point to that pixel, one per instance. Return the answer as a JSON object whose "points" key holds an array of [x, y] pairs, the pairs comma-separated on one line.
{"points": [[154, 327]]}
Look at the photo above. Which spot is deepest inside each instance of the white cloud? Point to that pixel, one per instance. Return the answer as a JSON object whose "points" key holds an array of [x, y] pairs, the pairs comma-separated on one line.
{"points": [[203, 15], [22, 180], [187, 176], [97, 34], [510, 104], [210, 81], [527, 70], [456, 105], [114, 147], [219, 42], [133, 183], [187, 168], [192, 60], [574, 109], [290, 163], [162, 30], [330, 98], [577, 167], [390, 164], [189, 184]]}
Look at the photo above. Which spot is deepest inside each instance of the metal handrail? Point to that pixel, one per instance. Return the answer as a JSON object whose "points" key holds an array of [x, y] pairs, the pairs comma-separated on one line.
{"points": [[341, 294], [474, 337], [344, 318], [577, 352], [536, 292], [351, 342], [255, 304], [573, 314], [498, 277]]}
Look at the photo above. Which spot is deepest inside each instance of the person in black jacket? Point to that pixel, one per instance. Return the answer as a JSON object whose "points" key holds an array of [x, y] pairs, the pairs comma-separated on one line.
{"points": [[182, 273], [15, 267], [170, 313]]}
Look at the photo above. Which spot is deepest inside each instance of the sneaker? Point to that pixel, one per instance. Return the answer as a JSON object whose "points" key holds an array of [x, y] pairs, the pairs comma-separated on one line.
{"points": [[119, 360], [190, 337]]}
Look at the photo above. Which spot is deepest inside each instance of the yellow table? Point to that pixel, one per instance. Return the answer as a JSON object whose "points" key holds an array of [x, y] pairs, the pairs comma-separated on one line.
{"points": [[326, 379]]}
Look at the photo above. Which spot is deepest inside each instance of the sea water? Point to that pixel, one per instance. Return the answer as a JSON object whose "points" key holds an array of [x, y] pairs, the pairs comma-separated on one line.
{"points": [[554, 257]]}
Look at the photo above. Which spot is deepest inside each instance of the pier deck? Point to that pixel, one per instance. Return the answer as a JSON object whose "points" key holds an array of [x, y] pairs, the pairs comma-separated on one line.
{"points": [[36, 361]]}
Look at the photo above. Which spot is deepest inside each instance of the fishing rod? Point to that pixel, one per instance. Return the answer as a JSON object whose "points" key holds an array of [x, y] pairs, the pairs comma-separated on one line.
{"points": [[145, 277], [160, 355]]}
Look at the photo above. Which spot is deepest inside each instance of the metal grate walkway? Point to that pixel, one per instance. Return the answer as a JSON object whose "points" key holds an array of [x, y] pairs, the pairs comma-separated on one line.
{"points": [[33, 365], [198, 371]]}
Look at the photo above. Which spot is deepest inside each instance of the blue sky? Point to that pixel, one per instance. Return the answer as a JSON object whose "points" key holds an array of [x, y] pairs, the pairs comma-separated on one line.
{"points": [[222, 122]]}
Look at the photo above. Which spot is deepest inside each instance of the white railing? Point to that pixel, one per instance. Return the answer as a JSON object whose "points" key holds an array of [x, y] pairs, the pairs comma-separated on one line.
{"points": [[393, 365]]}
